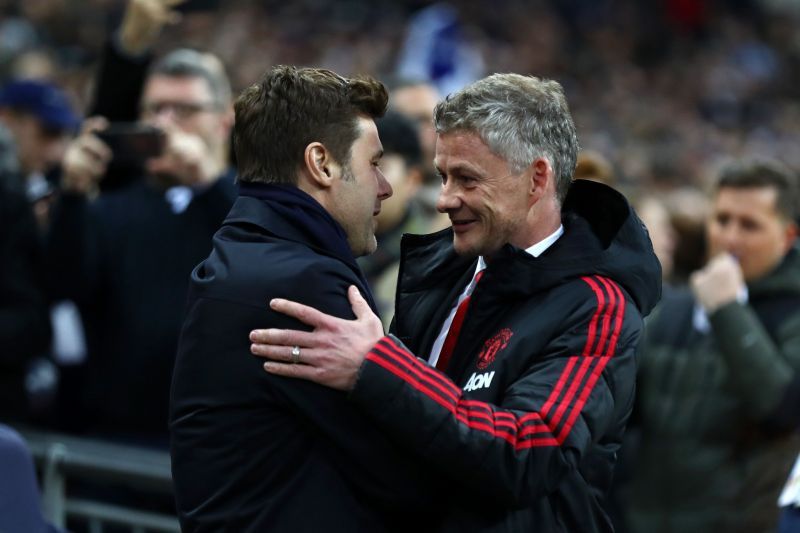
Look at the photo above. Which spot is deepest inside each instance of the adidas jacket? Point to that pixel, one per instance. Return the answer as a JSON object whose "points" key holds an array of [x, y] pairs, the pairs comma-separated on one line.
{"points": [[526, 421]]}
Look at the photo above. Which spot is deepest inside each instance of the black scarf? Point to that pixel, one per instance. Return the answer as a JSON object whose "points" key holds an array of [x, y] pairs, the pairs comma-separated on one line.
{"points": [[302, 210]]}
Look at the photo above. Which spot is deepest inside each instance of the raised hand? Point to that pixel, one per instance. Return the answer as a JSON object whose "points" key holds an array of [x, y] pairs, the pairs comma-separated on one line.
{"points": [[143, 22]]}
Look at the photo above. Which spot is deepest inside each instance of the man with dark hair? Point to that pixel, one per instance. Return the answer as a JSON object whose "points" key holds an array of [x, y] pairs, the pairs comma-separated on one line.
{"points": [[255, 452], [529, 308], [719, 395]]}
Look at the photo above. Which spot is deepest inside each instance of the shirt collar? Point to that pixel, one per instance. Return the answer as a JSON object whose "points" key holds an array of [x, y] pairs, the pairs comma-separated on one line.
{"points": [[536, 250]]}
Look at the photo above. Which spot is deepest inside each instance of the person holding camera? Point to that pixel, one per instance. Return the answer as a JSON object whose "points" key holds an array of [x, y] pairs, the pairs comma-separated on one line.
{"points": [[139, 205]]}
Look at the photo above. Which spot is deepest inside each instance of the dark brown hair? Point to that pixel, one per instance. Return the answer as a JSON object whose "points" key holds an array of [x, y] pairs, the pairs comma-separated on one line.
{"points": [[291, 107], [756, 173]]}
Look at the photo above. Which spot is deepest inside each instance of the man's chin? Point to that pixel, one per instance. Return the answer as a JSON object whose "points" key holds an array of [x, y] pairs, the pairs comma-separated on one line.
{"points": [[464, 248], [368, 249]]}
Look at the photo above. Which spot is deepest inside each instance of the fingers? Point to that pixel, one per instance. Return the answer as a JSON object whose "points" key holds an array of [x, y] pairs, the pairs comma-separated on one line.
{"points": [[303, 313], [93, 125], [290, 370], [86, 159], [283, 354], [363, 311], [357, 302], [185, 158], [282, 338]]}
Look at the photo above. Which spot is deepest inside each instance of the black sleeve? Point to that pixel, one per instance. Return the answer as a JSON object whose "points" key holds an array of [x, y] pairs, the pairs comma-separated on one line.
{"points": [[24, 315], [120, 81], [526, 444], [71, 250]]}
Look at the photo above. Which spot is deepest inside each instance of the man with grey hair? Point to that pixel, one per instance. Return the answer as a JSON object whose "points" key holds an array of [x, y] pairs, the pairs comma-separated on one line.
{"points": [[526, 315], [125, 239]]}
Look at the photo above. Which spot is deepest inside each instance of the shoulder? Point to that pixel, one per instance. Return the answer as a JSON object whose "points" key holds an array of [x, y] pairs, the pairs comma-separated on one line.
{"points": [[591, 294], [593, 306], [250, 272]]}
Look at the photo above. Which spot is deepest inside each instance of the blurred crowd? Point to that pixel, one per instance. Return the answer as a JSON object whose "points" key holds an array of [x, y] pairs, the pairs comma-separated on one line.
{"points": [[663, 95], [664, 89]]}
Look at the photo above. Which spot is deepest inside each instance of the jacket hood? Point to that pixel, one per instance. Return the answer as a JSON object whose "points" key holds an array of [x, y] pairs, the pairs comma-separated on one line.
{"points": [[602, 236]]}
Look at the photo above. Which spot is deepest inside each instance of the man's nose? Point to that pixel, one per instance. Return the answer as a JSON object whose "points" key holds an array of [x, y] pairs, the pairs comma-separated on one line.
{"points": [[448, 198], [731, 235], [384, 187], [163, 117]]}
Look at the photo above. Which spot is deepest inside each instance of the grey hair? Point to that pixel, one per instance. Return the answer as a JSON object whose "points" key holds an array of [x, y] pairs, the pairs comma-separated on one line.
{"points": [[185, 62], [520, 118]]}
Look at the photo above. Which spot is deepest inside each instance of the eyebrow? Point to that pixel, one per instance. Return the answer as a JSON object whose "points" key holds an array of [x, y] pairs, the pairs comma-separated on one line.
{"points": [[462, 168]]}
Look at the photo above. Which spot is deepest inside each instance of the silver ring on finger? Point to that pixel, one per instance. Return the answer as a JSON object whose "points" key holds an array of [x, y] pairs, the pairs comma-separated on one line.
{"points": [[295, 354]]}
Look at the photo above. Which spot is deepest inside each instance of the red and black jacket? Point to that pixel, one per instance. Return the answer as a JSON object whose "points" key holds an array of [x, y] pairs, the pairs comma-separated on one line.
{"points": [[527, 419]]}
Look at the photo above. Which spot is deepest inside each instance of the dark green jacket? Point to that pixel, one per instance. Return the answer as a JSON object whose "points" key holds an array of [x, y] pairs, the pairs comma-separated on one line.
{"points": [[718, 410]]}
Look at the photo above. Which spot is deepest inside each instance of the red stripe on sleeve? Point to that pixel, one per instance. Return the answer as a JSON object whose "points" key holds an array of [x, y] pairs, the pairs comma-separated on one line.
{"points": [[411, 380], [592, 331], [588, 361], [384, 351], [429, 371], [620, 315], [562, 380], [598, 370], [475, 415]]}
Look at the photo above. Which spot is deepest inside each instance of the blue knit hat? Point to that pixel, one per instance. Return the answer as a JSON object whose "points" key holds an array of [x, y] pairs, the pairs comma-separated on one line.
{"points": [[43, 100]]}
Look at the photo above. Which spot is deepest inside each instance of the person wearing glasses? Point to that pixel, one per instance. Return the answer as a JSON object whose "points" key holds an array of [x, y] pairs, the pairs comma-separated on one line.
{"points": [[126, 236]]}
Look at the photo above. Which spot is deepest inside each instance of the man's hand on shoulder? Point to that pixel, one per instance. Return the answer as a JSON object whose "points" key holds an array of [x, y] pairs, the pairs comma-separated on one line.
{"points": [[331, 354]]}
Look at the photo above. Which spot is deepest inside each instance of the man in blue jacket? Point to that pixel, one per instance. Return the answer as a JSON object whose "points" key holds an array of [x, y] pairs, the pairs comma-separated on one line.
{"points": [[255, 452]]}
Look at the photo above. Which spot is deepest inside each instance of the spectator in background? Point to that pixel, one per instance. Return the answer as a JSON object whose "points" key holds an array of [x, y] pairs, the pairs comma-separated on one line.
{"points": [[689, 209], [719, 389], [24, 319], [41, 121], [400, 214], [125, 257], [415, 99], [656, 218], [593, 165]]}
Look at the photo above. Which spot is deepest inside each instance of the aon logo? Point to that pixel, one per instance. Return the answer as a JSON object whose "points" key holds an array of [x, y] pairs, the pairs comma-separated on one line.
{"points": [[479, 381]]}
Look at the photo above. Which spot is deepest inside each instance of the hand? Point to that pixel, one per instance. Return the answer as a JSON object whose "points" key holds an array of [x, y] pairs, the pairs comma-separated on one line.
{"points": [[331, 354], [186, 158], [86, 159], [143, 22], [718, 283]]}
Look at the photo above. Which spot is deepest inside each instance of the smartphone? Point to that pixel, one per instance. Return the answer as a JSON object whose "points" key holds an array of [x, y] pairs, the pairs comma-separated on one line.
{"points": [[194, 6], [132, 143]]}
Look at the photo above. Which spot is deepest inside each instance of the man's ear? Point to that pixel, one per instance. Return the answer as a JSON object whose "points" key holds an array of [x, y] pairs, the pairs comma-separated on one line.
{"points": [[319, 165], [541, 176]]}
